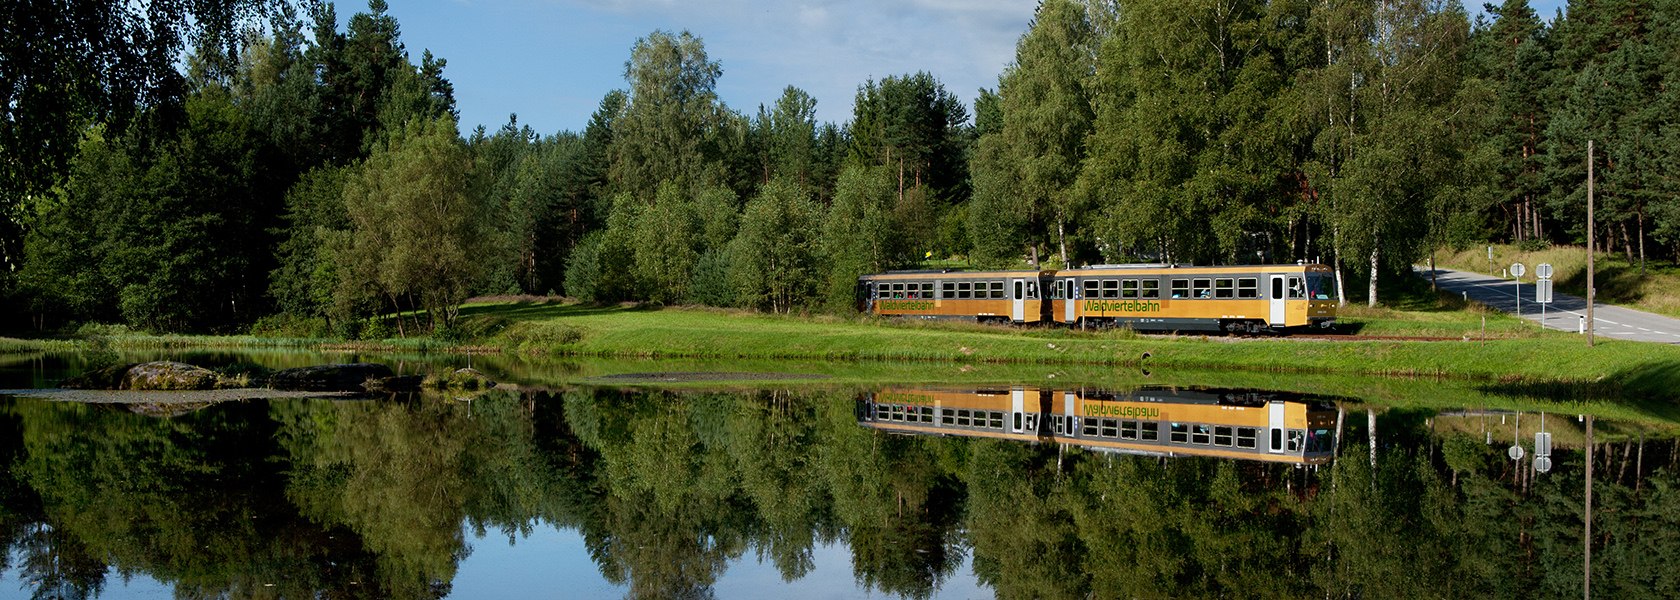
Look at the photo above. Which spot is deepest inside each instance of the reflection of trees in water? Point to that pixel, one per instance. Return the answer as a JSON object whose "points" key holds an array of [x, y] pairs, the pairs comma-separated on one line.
{"points": [[367, 499]]}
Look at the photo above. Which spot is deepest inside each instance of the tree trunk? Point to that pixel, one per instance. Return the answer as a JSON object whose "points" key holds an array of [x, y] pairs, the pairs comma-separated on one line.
{"points": [[1627, 244], [1640, 214], [1061, 240], [398, 306], [1372, 300], [1371, 436], [901, 181], [1336, 251]]}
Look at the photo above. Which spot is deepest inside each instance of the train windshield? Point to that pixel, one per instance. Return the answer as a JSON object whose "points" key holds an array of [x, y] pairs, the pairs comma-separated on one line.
{"points": [[1321, 286], [1320, 439]]}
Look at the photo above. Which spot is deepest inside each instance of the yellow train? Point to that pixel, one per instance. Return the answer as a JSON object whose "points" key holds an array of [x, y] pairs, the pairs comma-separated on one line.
{"points": [[1157, 422], [1248, 299]]}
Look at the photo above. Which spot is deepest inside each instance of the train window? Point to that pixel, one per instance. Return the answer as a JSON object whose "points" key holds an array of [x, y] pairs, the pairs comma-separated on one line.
{"points": [[1056, 290], [1020, 290], [1199, 434], [1111, 288], [1151, 289], [1246, 437], [962, 417], [1224, 288], [1222, 436], [1149, 431], [1180, 433], [1032, 422], [1110, 428], [1296, 292], [927, 414], [1089, 428], [1128, 430], [912, 291], [1017, 421], [947, 416], [997, 290], [1032, 290], [1128, 288], [947, 290], [1248, 287], [881, 411], [1277, 288], [927, 289], [1202, 288], [996, 421], [1181, 288], [1295, 440], [963, 290]]}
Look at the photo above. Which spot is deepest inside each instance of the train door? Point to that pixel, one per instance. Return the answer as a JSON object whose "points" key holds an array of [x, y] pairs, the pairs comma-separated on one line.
{"points": [[1017, 408], [1018, 306], [1070, 403], [1279, 314], [1071, 306], [1275, 430]]}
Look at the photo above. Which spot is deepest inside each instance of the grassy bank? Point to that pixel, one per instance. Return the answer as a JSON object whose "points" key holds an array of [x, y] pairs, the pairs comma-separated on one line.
{"points": [[1619, 280], [1533, 361]]}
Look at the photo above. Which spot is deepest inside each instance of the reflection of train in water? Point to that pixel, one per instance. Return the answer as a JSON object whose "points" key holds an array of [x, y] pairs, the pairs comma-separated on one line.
{"points": [[1161, 422]]}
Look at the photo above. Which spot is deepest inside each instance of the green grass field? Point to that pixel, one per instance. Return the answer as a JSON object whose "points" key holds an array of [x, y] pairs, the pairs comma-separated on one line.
{"points": [[1533, 361]]}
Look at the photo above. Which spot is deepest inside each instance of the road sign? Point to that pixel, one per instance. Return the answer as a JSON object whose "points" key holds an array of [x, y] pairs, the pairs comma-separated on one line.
{"points": [[1516, 452], [1543, 464], [1543, 444], [1543, 270], [1517, 269], [1543, 291]]}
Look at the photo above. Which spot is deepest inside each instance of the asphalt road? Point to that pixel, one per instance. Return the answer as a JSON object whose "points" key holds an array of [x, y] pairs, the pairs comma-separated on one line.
{"points": [[1565, 312]]}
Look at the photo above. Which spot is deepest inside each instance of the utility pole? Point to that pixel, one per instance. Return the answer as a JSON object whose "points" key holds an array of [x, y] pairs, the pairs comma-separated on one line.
{"points": [[1590, 323]]}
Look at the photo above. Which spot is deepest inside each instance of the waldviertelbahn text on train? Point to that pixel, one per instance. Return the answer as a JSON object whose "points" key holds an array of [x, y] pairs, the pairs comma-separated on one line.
{"points": [[1157, 422], [1249, 299]]}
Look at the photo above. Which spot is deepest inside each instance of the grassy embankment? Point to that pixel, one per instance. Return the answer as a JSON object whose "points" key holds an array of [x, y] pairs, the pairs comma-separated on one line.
{"points": [[1619, 280], [1535, 361]]}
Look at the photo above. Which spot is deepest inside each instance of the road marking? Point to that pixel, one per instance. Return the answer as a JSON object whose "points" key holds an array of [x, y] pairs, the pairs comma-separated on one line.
{"points": [[1643, 329]]}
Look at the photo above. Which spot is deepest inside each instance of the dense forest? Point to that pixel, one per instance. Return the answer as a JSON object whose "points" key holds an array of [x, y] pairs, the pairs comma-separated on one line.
{"points": [[180, 166]]}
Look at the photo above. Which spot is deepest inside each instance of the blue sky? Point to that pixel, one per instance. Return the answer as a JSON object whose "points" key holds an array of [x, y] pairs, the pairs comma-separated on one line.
{"points": [[551, 61]]}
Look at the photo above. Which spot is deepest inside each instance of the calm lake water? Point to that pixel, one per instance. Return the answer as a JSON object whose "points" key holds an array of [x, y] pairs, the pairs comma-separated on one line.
{"points": [[1037, 490]]}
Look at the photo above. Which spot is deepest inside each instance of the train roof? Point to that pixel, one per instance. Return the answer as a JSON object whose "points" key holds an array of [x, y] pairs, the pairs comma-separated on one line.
{"points": [[1196, 268]]}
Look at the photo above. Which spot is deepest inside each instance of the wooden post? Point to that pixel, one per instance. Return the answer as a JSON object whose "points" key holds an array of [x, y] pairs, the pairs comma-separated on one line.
{"points": [[1590, 323]]}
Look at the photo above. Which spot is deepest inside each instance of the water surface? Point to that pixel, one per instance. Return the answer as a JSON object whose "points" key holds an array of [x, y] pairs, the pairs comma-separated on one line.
{"points": [[565, 490]]}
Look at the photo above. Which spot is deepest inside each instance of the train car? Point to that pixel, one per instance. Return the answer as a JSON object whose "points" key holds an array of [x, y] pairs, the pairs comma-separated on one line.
{"points": [[1154, 422], [1234, 299], [1014, 412], [1245, 425], [984, 296]]}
